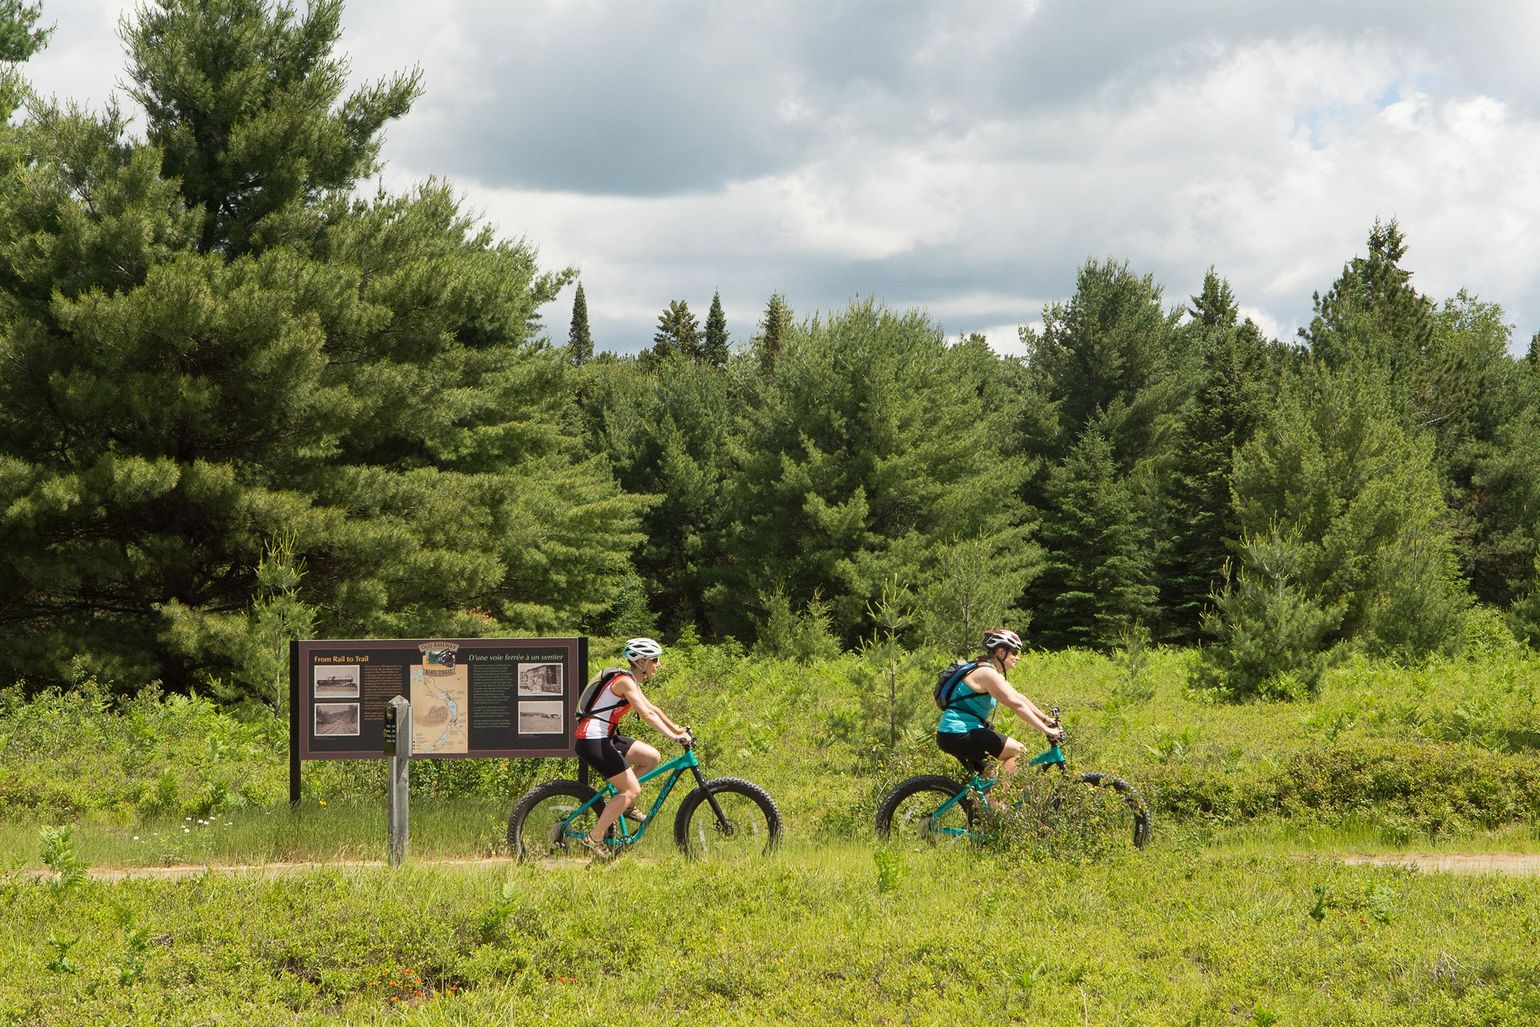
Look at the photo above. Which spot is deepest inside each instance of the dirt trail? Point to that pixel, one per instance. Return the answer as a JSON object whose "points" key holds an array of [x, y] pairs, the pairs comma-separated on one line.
{"points": [[183, 870], [1449, 863], [1500, 863]]}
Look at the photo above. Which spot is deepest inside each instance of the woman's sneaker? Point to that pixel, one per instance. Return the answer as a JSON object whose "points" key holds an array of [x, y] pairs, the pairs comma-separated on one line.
{"points": [[601, 852]]}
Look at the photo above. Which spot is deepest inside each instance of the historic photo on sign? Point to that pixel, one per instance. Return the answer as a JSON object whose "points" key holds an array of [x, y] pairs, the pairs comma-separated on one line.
{"points": [[541, 718], [337, 682], [540, 679], [335, 718]]}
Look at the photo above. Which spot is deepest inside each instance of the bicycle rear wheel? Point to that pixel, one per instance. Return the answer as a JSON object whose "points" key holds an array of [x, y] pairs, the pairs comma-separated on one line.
{"points": [[542, 825], [909, 815], [1136, 815], [752, 823]]}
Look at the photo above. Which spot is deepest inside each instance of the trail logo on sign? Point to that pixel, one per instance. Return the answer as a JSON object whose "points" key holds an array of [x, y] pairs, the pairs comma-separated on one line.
{"points": [[438, 658]]}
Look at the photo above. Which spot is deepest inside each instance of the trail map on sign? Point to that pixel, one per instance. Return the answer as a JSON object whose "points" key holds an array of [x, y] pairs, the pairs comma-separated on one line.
{"points": [[439, 711]]}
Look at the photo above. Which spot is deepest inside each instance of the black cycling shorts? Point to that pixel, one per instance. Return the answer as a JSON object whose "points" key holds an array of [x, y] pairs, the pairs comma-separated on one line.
{"points": [[606, 755], [973, 748]]}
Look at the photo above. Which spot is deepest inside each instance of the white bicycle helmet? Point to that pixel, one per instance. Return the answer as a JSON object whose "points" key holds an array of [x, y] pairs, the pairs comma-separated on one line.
{"points": [[642, 649], [999, 637]]}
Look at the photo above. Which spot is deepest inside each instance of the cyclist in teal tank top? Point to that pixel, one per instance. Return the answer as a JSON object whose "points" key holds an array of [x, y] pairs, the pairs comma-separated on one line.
{"points": [[964, 730]]}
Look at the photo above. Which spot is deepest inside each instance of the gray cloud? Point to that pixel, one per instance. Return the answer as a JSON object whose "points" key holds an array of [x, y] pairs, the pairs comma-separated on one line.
{"points": [[966, 158]]}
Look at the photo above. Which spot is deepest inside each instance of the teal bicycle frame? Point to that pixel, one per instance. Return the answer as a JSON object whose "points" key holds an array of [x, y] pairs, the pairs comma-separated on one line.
{"points": [[979, 785], [624, 832]]}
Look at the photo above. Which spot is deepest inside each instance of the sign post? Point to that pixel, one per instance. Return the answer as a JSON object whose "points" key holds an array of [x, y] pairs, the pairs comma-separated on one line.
{"points": [[398, 746]]}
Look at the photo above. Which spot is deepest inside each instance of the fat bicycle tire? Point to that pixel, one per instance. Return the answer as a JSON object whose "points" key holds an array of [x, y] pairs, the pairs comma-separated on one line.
{"points": [[905, 815], [535, 826], [1139, 812], [753, 820]]}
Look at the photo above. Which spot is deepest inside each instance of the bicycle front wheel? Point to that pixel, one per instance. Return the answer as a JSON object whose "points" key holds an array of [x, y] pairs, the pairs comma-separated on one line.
{"points": [[910, 815], [543, 824], [750, 823], [1135, 814]]}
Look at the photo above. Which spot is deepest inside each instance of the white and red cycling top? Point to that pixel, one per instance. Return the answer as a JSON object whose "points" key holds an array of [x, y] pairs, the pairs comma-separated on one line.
{"points": [[609, 709]]}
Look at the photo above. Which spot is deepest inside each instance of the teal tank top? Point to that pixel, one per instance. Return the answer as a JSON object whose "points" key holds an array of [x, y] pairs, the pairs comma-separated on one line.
{"points": [[964, 715]]}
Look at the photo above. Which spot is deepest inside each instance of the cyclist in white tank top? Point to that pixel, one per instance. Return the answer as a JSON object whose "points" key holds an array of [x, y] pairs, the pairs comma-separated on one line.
{"points": [[618, 758]]}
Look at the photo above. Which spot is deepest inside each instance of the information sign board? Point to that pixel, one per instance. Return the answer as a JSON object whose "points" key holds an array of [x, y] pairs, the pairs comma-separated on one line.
{"points": [[471, 697]]}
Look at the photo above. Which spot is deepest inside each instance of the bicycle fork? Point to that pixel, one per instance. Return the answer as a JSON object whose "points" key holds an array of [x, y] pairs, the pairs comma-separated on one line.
{"points": [[722, 821]]}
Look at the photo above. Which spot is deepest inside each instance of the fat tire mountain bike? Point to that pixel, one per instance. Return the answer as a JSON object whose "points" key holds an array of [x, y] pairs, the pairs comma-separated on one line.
{"points": [[718, 817], [933, 809]]}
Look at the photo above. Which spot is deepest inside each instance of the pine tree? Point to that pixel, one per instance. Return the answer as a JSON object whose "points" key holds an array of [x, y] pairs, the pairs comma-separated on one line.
{"points": [[714, 349], [20, 37], [1270, 633], [668, 434], [856, 472], [1105, 360], [1372, 313], [360, 377], [245, 111], [678, 333], [580, 344], [1333, 465]]}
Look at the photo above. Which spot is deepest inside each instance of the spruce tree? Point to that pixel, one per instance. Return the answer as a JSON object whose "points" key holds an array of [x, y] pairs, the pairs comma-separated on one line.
{"points": [[774, 327], [1231, 394], [580, 344], [1097, 578], [714, 347]]}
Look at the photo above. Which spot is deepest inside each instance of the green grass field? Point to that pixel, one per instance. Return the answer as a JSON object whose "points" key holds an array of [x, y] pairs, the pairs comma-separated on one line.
{"points": [[1240, 911]]}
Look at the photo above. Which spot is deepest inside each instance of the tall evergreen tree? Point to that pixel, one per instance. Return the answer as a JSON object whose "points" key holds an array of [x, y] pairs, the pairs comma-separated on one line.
{"points": [[774, 327], [872, 453], [678, 334], [1372, 314], [1477, 404], [714, 347], [580, 343], [1333, 465], [1097, 577], [1105, 360], [362, 378], [1451, 377], [1231, 394], [669, 435], [241, 98]]}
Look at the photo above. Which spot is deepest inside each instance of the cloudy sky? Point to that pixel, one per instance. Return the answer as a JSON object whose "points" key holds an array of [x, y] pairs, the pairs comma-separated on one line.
{"points": [[962, 157]]}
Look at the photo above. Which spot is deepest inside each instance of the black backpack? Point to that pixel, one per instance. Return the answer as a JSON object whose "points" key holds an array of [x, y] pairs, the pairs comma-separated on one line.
{"points": [[955, 672], [592, 690]]}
